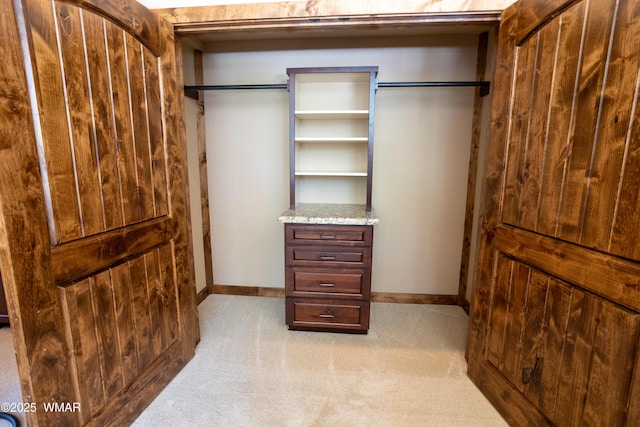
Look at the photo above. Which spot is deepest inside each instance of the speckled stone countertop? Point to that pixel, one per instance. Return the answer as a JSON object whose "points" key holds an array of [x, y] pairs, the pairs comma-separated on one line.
{"points": [[325, 213]]}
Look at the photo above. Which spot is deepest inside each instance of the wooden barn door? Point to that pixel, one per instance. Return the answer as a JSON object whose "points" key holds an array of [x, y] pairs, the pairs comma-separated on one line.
{"points": [[554, 327], [94, 247]]}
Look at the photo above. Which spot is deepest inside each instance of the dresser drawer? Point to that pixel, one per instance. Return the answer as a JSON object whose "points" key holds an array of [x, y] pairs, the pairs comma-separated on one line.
{"points": [[315, 256], [329, 315], [342, 235], [313, 282]]}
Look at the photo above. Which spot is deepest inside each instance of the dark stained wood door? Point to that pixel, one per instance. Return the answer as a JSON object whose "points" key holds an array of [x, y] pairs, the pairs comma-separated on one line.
{"points": [[554, 328], [94, 247]]}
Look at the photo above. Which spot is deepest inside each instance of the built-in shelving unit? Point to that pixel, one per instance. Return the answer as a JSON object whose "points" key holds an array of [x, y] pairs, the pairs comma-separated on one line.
{"points": [[329, 226], [331, 134]]}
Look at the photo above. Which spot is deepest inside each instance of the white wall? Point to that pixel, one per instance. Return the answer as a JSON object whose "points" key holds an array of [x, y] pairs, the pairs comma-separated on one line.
{"points": [[421, 155], [247, 157]]}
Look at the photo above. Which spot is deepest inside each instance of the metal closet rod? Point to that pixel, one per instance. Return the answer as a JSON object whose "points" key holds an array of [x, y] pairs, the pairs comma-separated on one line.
{"points": [[380, 84], [434, 84]]}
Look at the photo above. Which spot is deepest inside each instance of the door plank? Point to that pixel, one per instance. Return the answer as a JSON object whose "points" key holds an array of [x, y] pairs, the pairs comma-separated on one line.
{"points": [[169, 294], [118, 70], [514, 323], [554, 346], [634, 394], [141, 312], [519, 129], [78, 107], [103, 119], [500, 295], [616, 339], [62, 196], [588, 111], [533, 333], [156, 140], [140, 125], [106, 328], [155, 309], [125, 322], [537, 130], [85, 347], [571, 23], [78, 368], [617, 103], [626, 227]]}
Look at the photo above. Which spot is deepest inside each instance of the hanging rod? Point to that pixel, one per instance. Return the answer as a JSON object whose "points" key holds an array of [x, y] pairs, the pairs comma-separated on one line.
{"points": [[192, 91], [232, 87], [433, 84]]}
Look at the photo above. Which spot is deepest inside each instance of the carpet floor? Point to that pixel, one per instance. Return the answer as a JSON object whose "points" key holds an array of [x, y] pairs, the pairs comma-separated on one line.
{"points": [[250, 370], [9, 380]]}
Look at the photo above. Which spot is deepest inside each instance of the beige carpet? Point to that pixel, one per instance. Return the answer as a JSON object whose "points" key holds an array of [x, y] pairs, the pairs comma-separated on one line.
{"points": [[9, 381], [249, 370]]}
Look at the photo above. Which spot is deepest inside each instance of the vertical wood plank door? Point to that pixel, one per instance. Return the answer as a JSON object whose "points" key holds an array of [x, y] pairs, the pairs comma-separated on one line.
{"points": [[94, 247], [554, 326]]}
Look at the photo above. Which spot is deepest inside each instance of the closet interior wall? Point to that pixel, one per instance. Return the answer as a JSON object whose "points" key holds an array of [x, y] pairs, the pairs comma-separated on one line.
{"points": [[422, 152]]}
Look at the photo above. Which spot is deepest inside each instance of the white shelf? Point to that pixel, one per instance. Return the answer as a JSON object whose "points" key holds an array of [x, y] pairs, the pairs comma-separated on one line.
{"points": [[330, 173], [348, 139], [331, 114]]}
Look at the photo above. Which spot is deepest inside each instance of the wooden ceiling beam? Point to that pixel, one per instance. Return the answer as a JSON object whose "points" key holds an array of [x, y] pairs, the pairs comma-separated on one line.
{"points": [[317, 18]]}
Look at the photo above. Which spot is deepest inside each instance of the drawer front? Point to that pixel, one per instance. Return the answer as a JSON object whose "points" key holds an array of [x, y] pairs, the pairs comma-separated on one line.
{"points": [[328, 256], [327, 315], [342, 235], [306, 282]]}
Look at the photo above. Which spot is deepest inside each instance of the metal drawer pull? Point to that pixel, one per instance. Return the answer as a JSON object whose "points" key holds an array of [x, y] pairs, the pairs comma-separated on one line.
{"points": [[327, 236], [328, 285], [327, 258], [327, 316]]}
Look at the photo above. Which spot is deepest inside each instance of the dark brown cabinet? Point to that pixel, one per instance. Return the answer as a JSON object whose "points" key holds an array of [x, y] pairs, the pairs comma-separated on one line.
{"points": [[328, 277]]}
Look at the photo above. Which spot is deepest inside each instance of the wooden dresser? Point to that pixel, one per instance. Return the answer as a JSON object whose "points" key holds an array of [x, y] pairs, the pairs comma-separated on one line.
{"points": [[329, 224], [328, 267]]}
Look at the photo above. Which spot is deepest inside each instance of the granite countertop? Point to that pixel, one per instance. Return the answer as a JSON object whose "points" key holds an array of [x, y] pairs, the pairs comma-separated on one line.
{"points": [[325, 213]]}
